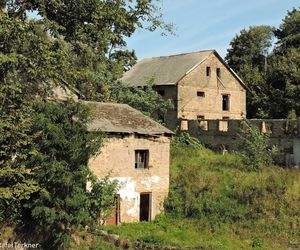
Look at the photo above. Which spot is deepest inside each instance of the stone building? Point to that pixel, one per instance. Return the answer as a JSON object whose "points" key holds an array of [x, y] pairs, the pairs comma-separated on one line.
{"points": [[136, 153], [200, 84]]}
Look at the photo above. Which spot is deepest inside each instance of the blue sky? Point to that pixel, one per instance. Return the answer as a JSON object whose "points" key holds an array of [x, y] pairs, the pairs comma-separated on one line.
{"points": [[204, 24]]}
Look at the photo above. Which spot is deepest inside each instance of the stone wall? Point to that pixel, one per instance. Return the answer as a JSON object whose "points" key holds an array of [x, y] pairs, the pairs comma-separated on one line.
{"points": [[169, 92], [190, 106], [222, 135], [117, 159]]}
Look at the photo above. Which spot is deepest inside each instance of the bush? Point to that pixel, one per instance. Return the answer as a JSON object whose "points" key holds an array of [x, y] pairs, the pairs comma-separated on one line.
{"points": [[185, 139], [253, 147]]}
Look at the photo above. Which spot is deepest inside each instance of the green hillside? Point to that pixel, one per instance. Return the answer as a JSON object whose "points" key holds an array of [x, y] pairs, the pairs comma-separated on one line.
{"points": [[215, 204]]}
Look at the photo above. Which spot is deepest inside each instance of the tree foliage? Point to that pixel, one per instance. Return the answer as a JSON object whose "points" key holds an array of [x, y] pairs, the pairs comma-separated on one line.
{"points": [[59, 166], [44, 146], [250, 47], [95, 31], [145, 99], [273, 77], [284, 74], [28, 58], [248, 57]]}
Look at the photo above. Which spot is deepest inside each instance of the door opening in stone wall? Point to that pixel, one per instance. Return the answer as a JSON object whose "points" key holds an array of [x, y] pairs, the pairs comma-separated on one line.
{"points": [[145, 206], [114, 218]]}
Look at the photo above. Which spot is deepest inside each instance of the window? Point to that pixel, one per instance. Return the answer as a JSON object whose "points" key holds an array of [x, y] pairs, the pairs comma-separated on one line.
{"points": [[161, 92], [161, 117], [225, 102], [207, 71], [141, 159], [200, 93], [225, 118], [219, 72], [200, 117], [223, 126]]}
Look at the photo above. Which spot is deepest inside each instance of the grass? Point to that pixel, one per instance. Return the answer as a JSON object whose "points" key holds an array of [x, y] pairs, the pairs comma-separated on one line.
{"points": [[185, 233], [215, 204]]}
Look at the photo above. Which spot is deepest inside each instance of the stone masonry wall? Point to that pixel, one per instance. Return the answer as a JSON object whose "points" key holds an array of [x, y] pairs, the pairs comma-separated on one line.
{"points": [[222, 134], [169, 93], [210, 106], [117, 159]]}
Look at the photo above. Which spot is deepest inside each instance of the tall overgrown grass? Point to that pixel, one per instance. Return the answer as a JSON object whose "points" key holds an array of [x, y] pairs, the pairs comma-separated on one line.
{"points": [[215, 189], [217, 203]]}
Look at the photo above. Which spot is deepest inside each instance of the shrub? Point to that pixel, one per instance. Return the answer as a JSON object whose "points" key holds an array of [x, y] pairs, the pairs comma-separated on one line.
{"points": [[253, 147], [185, 139]]}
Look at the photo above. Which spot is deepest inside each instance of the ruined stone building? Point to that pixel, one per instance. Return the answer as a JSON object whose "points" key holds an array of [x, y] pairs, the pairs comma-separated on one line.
{"points": [[136, 153], [200, 84]]}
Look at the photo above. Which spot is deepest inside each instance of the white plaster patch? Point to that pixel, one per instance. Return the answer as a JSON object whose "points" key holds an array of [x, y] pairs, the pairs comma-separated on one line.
{"points": [[127, 192], [134, 210], [149, 181], [89, 186], [155, 179], [146, 181]]}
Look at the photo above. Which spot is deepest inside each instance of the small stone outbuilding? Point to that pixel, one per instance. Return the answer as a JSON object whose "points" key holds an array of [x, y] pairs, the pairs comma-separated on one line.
{"points": [[200, 84], [136, 152]]}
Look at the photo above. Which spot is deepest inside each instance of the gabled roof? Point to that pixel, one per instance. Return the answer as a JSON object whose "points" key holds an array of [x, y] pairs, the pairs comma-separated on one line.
{"points": [[121, 118], [168, 70]]}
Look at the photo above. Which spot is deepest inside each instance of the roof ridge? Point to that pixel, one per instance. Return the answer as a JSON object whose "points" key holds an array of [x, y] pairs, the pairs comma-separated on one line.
{"points": [[108, 103], [180, 54], [129, 107]]}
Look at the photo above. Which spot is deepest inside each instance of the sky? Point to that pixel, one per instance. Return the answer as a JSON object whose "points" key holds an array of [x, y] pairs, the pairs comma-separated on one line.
{"points": [[207, 24]]}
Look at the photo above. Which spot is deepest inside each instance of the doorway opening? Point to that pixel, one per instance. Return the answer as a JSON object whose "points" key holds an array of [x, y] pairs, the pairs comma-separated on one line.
{"points": [[114, 218], [145, 206]]}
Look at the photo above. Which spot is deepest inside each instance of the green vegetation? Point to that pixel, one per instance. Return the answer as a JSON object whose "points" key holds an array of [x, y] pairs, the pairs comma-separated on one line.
{"points": [[271, 72], [44, 145], [145, 99], [215, 204], [253, 147]]}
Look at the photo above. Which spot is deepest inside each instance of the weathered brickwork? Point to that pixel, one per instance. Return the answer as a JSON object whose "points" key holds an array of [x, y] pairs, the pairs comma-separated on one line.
{"points": [[117, 159], [210, 105]]}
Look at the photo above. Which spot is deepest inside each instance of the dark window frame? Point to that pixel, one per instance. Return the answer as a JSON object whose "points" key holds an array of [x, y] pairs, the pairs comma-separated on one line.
{"points": [[201, 93], [161, 92], [225, 102], [208, 71], [218, 72], [141, 159]]}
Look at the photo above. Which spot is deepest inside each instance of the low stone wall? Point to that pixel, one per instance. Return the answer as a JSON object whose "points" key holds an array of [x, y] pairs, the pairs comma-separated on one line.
{"points": [[223, 134], [125, 243]]}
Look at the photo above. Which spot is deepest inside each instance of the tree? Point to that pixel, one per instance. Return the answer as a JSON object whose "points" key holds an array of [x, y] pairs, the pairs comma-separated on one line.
{"points": [[59, 166], [288, 34], [28, 58], [250, 47], [275, 85], [145, 99], [247, 56], [284, 75], [96, 31], [44, 147]]}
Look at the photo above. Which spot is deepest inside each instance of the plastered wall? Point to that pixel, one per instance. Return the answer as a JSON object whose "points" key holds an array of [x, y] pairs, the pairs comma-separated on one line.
{"points": [[117, 159]]}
